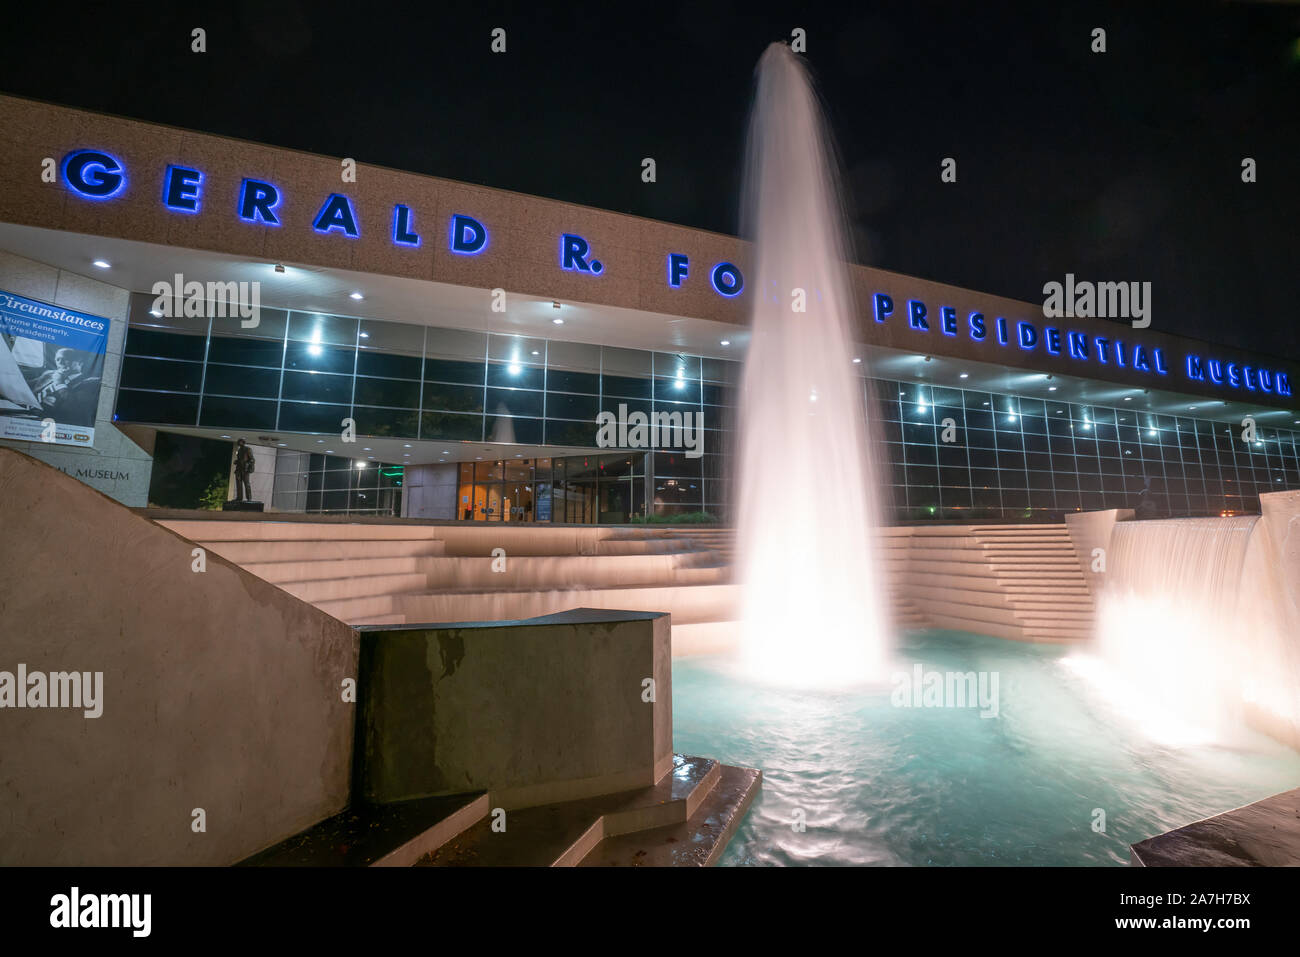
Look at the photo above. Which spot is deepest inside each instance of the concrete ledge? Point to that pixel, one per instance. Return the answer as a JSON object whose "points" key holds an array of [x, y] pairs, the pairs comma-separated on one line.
{"points": [[1266, 833]]}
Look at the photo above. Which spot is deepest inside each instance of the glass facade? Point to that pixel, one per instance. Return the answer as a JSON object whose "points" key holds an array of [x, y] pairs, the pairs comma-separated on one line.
{"points": [[1014, 457], [948, 453]]}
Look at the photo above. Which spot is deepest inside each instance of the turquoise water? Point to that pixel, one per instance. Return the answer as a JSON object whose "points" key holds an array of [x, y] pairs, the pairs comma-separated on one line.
{"points": [[879, 784]]}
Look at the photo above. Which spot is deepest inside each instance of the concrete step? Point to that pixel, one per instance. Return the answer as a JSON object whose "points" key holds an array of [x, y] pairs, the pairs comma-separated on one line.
{"points": [[328, 590], [384, 835], [563, 834], [698, 842], [272, 531], [301, 571], [688, 604], [256, 552]]}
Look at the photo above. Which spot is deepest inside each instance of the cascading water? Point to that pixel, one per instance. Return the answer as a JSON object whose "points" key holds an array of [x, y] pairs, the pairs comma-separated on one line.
{"points": [[813, 601], [1188, 635]]}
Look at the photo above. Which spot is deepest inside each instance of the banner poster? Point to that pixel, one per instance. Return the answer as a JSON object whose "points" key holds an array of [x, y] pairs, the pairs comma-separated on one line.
{"points": [[51, 364]]}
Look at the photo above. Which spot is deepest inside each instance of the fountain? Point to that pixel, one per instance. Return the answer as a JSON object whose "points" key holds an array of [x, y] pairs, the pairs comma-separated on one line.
{"points": [[1190, 640], [813, 604]]}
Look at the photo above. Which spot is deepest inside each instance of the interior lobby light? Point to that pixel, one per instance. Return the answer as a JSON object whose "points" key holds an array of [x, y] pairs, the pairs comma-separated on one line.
{"points": [[558, 321], [361, 465], [355, 295], [726, 342], [101, 263], [965, 375], [514, 368], [856, 360]]}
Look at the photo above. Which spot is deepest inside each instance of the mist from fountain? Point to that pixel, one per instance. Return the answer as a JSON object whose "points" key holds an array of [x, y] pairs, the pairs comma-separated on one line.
{"points": [[813, 605]]}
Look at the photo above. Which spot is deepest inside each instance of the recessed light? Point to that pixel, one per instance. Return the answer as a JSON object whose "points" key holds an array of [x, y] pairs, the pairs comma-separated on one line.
{"points": [[101, 263], [965, 375], [1128, 398], [856, 360], [406, 445], [725, 342], [355, 295], [1051, 388], [558, 321], [365, 335], [536, 352], [225, 436]]}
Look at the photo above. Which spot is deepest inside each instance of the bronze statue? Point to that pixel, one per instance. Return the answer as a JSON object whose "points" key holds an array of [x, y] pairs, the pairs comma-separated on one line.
{"points": [[243, 469]]}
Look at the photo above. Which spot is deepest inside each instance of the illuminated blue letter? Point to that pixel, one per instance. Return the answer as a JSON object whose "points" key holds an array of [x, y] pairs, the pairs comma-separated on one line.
{"points": [[1027, 334], [1194, 368], [403, 234], [337, 214], [884, 307], [1053, 341], [727, 280], [977, 329], [916, 315], [948, 320], [258, 201], [94, 175], [181, 189], [677, 269], [469, 237]]}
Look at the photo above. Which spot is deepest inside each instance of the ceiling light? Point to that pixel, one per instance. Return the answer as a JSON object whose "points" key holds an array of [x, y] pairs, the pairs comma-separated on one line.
{"points": [[355, 295], [365, 335], [558, 321], [965, 375], [101, 263], [536, 352], [1128, 398], [727, 342], [856, 360], [1051, 388]]}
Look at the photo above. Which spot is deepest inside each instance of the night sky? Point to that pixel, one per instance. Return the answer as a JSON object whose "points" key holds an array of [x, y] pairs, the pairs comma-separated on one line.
{"points": [[1117, 166]]}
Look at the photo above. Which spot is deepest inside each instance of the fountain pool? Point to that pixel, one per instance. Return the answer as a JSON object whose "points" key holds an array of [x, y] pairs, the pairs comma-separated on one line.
{"points": [[887, 785]]}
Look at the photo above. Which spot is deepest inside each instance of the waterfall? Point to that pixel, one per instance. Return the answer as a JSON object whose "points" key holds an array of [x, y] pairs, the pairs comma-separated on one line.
{"points": [[1189, 632]]}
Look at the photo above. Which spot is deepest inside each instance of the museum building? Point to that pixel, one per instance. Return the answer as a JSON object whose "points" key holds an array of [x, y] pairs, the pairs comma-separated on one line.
{"points": [[397, 344]]}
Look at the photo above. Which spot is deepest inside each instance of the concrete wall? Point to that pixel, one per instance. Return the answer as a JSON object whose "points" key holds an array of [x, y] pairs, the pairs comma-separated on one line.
{"points": [[220, 691], [504, 707], [116, 466], [1089, 530], [430, 491]]}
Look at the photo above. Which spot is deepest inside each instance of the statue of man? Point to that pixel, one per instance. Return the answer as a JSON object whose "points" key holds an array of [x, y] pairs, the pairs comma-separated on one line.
{"points": [[243, 469]]}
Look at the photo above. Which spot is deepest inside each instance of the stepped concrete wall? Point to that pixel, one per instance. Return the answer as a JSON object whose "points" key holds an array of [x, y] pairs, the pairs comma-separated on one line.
{"points": [[220, 691]]}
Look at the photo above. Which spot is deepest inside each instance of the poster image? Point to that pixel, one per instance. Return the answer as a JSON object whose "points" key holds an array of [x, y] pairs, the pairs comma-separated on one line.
{"points": [[51, 367]]}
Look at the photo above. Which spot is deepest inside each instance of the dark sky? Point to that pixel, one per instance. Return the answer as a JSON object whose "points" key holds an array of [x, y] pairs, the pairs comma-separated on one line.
{"points": [[1115, 166]]}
